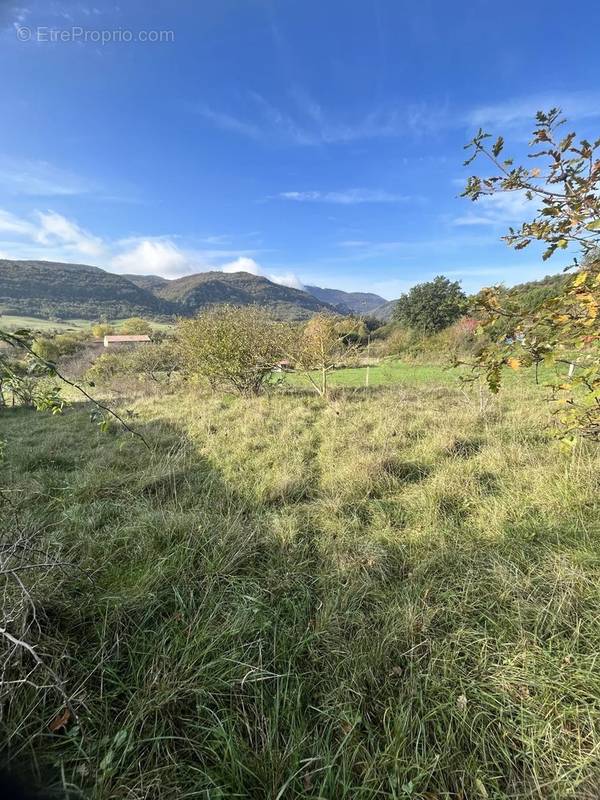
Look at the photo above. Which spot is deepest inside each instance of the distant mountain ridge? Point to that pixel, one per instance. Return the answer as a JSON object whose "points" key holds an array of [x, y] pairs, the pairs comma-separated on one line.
{"points": [[385, 311], [63, 290], [348, 302], [193, 292], [57, 289], [344, 302]]}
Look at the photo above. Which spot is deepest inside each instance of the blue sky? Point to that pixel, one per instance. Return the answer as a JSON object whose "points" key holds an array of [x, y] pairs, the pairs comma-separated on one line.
{"points": [[313, 141]]}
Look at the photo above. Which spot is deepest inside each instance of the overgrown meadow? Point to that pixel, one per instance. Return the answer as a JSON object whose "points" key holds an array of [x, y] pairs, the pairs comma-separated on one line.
{"points": [[393, 594]]}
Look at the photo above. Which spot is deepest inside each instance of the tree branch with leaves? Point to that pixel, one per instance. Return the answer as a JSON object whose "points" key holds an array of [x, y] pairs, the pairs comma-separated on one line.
{"points": [[564, 328]]}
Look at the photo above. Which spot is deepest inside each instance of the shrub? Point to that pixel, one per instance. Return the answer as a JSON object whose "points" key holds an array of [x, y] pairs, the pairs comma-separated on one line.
{"points": [[47, 349], [102, 329], [233, 347], [154, 362], [135, 325]]}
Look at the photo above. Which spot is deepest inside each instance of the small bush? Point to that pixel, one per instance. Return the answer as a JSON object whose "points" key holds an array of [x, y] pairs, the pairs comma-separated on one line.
{"points": [[236, 348]]}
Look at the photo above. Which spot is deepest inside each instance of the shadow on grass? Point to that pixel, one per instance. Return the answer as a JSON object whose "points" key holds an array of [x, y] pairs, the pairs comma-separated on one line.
{"points": [[216, 646]]}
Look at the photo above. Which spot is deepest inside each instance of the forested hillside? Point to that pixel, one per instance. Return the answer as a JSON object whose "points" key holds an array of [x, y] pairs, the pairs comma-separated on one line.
{"points": [[59, 290], [56, 290], [194, 292], [345, 302], [52, 289]]}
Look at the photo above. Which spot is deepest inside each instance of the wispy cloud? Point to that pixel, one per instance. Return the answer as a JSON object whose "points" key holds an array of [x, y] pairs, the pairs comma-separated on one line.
{"points": [[39, 178], [519, 111], [305, 122], [12, 15], [229, 122], [498, 209], [346, 197], [301, 120], [52, 230]]}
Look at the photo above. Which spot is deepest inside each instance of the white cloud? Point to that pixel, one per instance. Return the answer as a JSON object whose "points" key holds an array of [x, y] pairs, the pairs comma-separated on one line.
{"points": [[39, 178], [9, 223], [522, 110], [153, 257], [307, 123], [56, 229], [347, 197], [286, 279], [50, 231], [227, 122], [245, 264], [498, 209]]}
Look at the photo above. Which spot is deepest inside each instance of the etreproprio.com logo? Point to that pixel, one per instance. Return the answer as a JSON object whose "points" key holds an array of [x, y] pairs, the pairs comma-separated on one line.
{"points": [[92, 35]]}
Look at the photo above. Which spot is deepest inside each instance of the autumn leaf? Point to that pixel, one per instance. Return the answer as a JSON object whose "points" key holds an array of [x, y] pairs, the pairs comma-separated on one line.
{"points": [[513, 363], [61, 720]]}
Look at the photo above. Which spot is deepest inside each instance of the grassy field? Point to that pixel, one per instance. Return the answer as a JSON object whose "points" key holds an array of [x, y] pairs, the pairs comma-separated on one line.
{"points": [[393, 595], [49, 326], [384, 374], [46, 325], [394, 372]]}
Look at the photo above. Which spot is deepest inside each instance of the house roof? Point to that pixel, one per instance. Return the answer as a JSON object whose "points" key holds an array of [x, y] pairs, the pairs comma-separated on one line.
{"points": [[123, 338]]}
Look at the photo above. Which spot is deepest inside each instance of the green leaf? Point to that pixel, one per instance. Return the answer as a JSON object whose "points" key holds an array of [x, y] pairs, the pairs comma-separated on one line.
{"points": [[593, 226], [497, 148]]}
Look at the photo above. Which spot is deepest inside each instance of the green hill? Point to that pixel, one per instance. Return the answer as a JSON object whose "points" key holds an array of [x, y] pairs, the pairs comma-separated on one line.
{"points": [[56, 290], [194, 292], [53, 289], [534, 293], [61, 291], [385, 311], [347, 302], [149, 282]]}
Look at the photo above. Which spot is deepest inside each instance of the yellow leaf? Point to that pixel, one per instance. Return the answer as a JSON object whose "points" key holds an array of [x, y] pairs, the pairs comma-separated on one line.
{"points": [[513, 363], [580, 278]]}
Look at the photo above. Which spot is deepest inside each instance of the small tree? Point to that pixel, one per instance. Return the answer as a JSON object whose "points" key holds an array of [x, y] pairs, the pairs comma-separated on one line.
{"points": [[102, 329], [135, 326], [323, 343], [234, 347], [566, 326], [155, 362], [46, 349], [432, 306]]}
